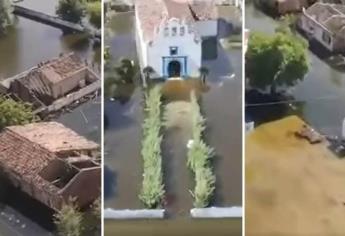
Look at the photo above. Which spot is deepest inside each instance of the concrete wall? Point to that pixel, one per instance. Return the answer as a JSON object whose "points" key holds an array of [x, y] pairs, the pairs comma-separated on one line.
{"points": [[140, 43], [189, 45], [85, 186], [315, 30], [339, 43], [207, 28], [68, 84]]}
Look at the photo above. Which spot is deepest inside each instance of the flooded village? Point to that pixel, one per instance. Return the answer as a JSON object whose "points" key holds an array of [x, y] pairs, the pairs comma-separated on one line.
{"points": [[135, 79], [50, 131], [294, 158]]}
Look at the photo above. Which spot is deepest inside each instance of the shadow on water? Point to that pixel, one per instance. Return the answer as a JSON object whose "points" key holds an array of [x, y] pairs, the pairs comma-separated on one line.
{"points": [[110, 183], [32, 209], [263, 108]]}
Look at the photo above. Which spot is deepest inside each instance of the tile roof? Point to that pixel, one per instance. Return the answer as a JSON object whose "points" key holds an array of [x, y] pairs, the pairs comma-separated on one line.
{"points": [[53, 136], [24, 159], [152, 13], [26, 150]]}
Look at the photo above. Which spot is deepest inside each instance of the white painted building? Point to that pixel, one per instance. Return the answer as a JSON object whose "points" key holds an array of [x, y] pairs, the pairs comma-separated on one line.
{"points": [[170, 35]]}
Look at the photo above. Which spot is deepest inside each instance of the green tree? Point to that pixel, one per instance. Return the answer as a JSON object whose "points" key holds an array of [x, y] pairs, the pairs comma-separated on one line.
{"points": [[71, 10], [97, 208], [69, 219], [94, 10], [15, 113], [276, 60], [6, 17]]}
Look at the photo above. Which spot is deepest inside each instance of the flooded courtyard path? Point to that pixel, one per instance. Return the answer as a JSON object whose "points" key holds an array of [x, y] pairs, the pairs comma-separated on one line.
{"points": [[322, 90], [221, 105]]}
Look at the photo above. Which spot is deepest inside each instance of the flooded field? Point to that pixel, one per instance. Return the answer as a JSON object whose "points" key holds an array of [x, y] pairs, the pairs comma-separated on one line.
{"points": [[322, 91], [294, 185], [221, 105]]}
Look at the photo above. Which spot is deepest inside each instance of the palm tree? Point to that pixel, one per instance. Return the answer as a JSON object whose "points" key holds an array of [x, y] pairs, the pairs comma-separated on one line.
{"points": [[204, 72], [148, 71]]}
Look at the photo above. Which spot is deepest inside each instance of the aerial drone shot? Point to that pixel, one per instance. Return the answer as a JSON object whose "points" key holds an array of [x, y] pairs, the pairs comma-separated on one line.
{"points": [[295, 117], [50, 117], [173, 117]]}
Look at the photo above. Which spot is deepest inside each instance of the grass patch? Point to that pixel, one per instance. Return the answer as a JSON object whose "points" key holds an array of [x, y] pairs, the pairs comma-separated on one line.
{"points": [[199, 156], [152, 190]]}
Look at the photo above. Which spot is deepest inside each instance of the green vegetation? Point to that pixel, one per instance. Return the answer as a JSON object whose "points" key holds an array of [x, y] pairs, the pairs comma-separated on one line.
{"points": [[69, 220], [6, 18], [123, 73], [152, 190], [15, 113], [199, 156], [94, 10], [276, 60], [97, 208], [71, 10]]}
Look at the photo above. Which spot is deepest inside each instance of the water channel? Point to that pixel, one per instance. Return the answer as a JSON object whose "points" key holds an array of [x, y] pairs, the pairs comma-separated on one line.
{"points": [[221, 105], [322, 90]]}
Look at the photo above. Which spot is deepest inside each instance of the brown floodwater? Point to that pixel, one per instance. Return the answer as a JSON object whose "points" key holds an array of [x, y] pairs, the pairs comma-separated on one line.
{"points": [[220, 101], [28, 42], [185, 227]]}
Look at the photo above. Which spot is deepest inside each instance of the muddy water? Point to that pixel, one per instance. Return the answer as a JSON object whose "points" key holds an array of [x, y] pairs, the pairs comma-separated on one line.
{"points": [[29, 42], [26, 44], [323, 88], [221, 104], [182, 227]]}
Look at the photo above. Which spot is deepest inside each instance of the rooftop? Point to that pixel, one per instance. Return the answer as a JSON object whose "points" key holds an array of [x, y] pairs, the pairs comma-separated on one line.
{"points": [[154, 12], [62, 67], [53, 136], [331, 16]]}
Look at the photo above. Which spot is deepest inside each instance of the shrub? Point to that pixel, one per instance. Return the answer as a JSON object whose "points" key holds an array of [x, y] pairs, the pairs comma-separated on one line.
{"points": [[152, 190], [69, 219], [15, 113], [199, 156]]}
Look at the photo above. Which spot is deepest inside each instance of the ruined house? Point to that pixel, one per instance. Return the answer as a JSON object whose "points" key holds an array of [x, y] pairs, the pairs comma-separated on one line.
{"points": [[51, 163], [52, 79], [325, 23]]}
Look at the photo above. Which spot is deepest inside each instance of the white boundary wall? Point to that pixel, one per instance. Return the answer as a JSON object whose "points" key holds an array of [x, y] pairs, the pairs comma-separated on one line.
{"points": [[216, 212], [110, 213]]}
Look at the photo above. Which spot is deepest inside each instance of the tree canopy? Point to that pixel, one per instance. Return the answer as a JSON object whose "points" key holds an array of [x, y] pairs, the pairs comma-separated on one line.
{"points": [[94, 10], [276, 60], [71, 10], [5, 15], [14, 113]]}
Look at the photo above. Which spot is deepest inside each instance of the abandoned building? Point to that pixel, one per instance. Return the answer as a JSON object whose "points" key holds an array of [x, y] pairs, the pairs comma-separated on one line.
{"points": [[51, 80], [174, 36], [51, 163], [325, 23]]}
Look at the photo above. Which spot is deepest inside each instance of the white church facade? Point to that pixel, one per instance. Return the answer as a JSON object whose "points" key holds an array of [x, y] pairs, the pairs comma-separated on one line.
{"points": [[170, 35]]}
